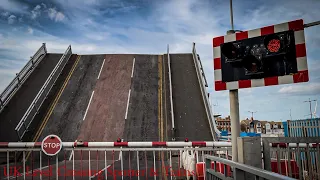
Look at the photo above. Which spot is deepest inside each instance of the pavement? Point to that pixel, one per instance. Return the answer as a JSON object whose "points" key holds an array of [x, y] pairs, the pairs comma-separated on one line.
{"points": [[105, 117], [189, 112], [20, 102], [65, 116], [142, 123]]}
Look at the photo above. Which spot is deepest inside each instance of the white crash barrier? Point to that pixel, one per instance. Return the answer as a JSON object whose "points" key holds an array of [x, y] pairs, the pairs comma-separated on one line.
{"points": [[188, 162]]}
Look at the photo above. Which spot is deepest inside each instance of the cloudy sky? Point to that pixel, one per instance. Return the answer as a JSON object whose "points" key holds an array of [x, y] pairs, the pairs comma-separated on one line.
{"points": [[147, 26]]}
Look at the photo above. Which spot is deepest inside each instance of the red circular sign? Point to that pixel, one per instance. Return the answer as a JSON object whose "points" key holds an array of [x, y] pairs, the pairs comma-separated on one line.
{"points": [[51, 145]]}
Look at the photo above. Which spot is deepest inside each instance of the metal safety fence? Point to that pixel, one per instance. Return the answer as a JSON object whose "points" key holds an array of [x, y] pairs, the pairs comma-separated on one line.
{"points": [[107, 160], [294, 157], [26, 120], [233, 170], [21, 77]]}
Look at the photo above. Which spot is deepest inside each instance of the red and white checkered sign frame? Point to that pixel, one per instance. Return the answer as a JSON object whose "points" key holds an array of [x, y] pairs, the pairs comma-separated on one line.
{"points": [[302, 75]]}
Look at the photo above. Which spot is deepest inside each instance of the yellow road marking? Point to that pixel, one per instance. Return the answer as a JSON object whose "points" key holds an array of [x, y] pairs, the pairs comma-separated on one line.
{"points": [[161, 109], [165, 102], [53, 105], [160, 113], [159, 102]]}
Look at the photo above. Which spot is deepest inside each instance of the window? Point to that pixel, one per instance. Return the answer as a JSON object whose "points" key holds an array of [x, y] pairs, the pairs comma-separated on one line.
{"points": [[258, 124]]}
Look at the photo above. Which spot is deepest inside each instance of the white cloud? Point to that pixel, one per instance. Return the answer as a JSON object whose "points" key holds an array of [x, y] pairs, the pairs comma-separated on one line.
{"points": [[44, 5], [13, 6], [180, 22], [36, 12], [301, 89], [12, 19], [55, 15], [5, 14], [59, 16], [30, 30], [97, 37]]}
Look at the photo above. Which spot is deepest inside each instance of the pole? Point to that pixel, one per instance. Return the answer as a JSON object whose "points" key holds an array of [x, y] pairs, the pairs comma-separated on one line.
{"points": [[231, 15], [252, 113], [310, 101], [235, 122], [234, 107], [312, 24]]}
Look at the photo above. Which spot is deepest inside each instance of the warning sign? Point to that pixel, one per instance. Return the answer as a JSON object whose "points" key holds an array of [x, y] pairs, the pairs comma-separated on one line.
{"points": [[51, 145]]}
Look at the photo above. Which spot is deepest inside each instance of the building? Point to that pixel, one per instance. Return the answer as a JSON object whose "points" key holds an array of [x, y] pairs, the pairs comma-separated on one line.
{"points": [[266, 128], [223, 124], [262, 127]]}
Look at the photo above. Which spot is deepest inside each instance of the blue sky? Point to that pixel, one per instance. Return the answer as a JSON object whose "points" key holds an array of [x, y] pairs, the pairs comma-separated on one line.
{"points": [[147, 26]]}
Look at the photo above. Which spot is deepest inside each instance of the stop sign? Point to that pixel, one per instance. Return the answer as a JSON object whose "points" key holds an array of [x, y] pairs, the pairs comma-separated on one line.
{"points": [[51, 145]]}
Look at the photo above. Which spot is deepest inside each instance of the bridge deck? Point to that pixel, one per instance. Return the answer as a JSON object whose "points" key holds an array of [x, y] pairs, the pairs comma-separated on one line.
{"points": [[190, 115], [20, 102]]}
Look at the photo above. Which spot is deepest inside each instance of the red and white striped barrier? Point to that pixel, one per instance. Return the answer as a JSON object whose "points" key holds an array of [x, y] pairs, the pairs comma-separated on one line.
{"points": [[119, 144], [145, 144]]}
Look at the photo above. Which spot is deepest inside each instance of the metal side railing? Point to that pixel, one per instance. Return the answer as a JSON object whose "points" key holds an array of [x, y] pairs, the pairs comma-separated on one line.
{"points": [[21, 77], [106, 160], [26, 120], [170, 89], [291, 156], [203, 84], [234, 170]]}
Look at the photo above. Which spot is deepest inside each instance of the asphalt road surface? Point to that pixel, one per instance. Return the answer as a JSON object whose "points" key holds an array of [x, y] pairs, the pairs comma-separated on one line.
{"points": [[68, 111], [20, 102], [105, 117], [142, 121], [189, 112]]}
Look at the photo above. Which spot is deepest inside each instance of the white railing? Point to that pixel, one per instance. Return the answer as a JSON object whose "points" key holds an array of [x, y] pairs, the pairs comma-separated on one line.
{"points": [[107, 160], [234, 170], [26, 120], [170, 89], [21, 77], [201, 79]]}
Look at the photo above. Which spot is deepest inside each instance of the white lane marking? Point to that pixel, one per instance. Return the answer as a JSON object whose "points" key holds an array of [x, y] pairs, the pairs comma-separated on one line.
{"points": [[134, 60], [100, 171], [84, 117], [125, 117], [71, 155], [101, 69]]}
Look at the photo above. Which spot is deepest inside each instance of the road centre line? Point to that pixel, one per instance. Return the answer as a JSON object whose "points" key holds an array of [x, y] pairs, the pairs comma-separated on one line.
{"points": [[84, 117], [101, 69], [129, 94]]}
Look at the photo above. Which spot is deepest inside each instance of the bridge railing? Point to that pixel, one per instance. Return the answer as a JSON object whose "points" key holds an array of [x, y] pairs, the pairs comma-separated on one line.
{"points": [[170, 90], [26, 120], [105, 159], [291, 156], [237, 171], [22, 76], [203, 84]]}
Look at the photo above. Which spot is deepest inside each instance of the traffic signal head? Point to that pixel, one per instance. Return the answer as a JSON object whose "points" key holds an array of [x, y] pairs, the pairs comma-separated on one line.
{"points": [[259, 57], [252, 58]]}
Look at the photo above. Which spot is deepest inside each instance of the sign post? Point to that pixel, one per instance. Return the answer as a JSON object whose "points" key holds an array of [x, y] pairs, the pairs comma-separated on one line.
{"points": [[51, 145]]}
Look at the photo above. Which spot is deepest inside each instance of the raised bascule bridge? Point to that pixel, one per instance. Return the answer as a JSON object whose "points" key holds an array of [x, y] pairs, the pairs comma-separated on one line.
{"points": [[146, 99], [130, 116]]}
